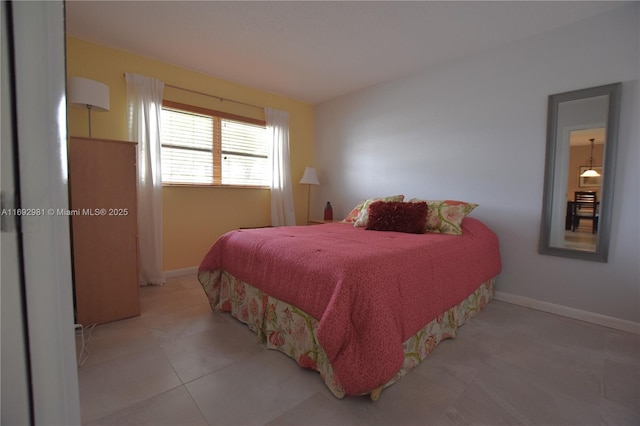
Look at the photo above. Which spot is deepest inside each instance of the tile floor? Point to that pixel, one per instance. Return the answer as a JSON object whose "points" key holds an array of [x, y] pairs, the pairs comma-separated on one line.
{"points": [[179, 363]]}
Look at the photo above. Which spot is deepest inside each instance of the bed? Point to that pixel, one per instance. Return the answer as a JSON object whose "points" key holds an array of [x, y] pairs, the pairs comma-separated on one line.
{"points": [[361, 307]]}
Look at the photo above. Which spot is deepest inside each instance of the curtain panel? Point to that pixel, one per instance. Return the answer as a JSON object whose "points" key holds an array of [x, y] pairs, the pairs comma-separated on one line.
{"points": [[282, 211], [144, 109]]}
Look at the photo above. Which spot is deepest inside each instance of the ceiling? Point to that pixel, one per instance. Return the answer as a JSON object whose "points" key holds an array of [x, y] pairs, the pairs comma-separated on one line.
{"points": [[315, 51], [584, 136]]}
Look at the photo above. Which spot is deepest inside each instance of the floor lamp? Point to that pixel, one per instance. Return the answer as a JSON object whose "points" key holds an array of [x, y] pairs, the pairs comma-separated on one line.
{"points": [[309, 178], [89, 94]]}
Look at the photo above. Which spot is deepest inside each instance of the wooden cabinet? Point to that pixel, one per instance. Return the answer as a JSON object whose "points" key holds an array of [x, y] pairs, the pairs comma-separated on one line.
{"points": [[103, 182]]}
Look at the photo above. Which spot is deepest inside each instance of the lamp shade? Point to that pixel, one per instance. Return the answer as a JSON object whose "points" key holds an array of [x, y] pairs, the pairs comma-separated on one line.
{"points": [[88, 93], [310, 177], [590, 173]]}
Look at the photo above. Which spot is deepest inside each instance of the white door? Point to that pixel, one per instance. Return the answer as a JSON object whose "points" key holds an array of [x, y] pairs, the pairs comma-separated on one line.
{"points": [[16, 401], [39, 371]]}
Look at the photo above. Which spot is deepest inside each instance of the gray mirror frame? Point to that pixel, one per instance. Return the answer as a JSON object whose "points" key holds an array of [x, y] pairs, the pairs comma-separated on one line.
{"points": [[606, 202]]}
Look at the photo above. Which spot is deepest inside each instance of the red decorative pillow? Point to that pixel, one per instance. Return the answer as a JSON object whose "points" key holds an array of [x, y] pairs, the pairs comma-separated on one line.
{"points": [[397, 216], [360, 214]]}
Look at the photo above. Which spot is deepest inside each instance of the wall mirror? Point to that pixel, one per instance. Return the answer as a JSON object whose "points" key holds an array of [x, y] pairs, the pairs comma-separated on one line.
{"points": [[582, 127]]}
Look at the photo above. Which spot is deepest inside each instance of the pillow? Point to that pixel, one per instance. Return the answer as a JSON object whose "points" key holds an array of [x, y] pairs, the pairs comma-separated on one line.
{"points": [[445, 216], [363, 215], [398, 216], [353, 214], [352, 217]]}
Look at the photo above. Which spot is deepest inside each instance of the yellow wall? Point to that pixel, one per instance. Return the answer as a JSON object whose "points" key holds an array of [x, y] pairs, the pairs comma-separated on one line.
{"points": [[193, 217]]}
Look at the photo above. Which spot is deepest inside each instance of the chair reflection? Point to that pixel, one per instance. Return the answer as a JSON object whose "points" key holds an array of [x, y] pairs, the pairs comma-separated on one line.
{"points": [[584, 206]]}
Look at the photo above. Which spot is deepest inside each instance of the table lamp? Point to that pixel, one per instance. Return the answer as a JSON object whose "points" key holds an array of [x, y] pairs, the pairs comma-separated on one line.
{"points": [[310, 177]]}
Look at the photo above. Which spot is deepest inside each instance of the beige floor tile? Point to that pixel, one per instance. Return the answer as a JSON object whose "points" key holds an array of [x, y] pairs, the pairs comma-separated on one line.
{"points": [[323, 410], [481, 330], [500, 316], [573, 334], [180, 322], [622, 347], [255, 390], [478, 407], [418, 398], [120, 382], [174, 407], [622, 385], [463, 357], [574, 372], [504, 394], [196, 355], [117, 339], [172, 300], [509, 365], [612, 414]]}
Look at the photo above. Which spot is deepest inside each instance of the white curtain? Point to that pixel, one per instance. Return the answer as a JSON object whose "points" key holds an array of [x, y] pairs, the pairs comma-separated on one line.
{"points": [[144, 108], [282, 211]]}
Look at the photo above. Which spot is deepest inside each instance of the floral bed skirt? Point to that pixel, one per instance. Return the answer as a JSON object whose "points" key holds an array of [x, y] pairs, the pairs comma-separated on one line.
{"points": [[292, 331]]}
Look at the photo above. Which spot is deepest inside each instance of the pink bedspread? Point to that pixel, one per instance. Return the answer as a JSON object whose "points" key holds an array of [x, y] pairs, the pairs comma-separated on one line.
{"points": [[369, 290]]}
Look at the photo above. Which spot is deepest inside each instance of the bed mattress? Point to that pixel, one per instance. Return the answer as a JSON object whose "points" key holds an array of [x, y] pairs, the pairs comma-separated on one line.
{"points": [[363, 295]]}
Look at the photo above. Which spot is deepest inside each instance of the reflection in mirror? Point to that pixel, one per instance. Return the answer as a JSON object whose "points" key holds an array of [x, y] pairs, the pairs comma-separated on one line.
{"points": [[581, 142], [586, 148]]}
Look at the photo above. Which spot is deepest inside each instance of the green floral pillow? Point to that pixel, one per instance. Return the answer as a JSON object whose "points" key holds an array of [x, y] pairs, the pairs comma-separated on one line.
{"points": [[362, 216], [353, 214], [445, 216]]}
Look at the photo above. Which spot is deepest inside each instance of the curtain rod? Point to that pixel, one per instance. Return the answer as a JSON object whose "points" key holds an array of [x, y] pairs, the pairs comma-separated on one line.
{"points": [[211, 96]]}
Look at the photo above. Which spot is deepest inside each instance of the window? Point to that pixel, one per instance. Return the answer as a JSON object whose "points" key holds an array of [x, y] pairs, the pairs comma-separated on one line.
{"points": [[207, 147]]}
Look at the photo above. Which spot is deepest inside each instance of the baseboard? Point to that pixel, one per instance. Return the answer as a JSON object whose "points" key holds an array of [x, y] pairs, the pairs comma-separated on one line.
{"points": [[565, 311], [180, 272]]}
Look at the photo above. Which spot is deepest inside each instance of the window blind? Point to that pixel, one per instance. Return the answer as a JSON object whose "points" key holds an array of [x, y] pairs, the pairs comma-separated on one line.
{"points": [[187, 147], [244, 154], [206, 149]]}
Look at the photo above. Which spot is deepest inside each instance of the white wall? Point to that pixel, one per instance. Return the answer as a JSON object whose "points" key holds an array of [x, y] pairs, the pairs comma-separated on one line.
{"points": [[474, 130]]}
